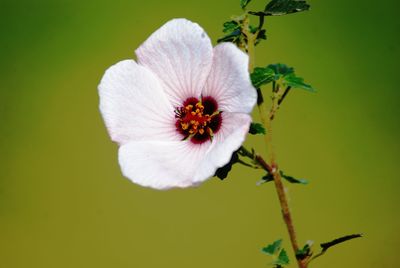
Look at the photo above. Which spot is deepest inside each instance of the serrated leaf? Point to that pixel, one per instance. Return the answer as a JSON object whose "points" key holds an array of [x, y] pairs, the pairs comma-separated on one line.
{"points": [[283, 7], [273, 248], [262, 76], [291, 80], [244, 3], [279, 72], [281, 69], [233, 32], [292, 179], [257, 128], [223, 172], [230, 26], [283, 258]]}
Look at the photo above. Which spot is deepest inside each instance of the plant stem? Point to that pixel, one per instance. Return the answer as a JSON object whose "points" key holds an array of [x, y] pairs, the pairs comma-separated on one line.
{"points": [[251, 52], [273, 167], [280, 189]]}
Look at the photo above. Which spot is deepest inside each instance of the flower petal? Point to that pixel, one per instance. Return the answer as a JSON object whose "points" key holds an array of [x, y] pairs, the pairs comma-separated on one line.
{"points": [[162, 165], [180, 54], [229, 81], [228, 139], [165, 165], [134, 105]]}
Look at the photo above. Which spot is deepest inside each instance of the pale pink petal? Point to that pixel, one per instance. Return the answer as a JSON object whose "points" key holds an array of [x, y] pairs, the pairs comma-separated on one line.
{"points": [[228, 139], [163, 165], [229, 81], [134, 105], [180, 54], [180, 164]]}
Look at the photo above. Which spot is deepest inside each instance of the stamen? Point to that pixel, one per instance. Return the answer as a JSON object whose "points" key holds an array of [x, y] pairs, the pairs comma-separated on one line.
{"points": [[198, 120]]}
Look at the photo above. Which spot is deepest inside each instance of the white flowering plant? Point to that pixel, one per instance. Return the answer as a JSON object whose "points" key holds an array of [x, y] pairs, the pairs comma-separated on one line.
{"points": [[181, 112]]}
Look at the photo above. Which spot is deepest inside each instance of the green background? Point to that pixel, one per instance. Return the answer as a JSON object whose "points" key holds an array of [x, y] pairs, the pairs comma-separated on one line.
{"points": [[64, 202]]}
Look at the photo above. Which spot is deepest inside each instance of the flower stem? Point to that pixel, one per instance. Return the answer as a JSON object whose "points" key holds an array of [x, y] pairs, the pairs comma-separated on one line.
{"points": [[272, 168], [251, 52], [284, 205]]}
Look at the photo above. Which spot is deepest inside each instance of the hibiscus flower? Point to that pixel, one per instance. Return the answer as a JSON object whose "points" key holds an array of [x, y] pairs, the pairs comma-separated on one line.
{"points": [[181, 110]]}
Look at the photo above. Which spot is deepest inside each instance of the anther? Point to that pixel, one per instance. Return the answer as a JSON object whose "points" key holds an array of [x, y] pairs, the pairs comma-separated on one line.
{"points": [[198, 122]]}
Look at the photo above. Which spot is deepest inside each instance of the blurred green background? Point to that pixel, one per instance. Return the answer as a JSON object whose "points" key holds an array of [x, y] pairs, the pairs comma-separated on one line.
{"points": [[64, 203]]}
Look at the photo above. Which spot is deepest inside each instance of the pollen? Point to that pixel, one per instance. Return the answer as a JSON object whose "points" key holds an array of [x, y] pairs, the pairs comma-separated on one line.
{"points": [[198, 120], [185, 126]]}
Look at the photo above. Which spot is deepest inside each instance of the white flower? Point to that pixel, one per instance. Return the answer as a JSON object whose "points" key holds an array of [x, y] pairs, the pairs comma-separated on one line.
{"points": [[181, 110]]}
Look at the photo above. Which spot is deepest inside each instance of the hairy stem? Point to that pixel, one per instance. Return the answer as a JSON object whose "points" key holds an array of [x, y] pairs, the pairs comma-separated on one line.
{"points": [[280, 189], [273, 167]]}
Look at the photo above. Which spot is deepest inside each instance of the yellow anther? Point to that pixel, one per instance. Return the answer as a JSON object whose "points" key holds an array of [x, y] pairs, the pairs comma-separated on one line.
{"points": [[184, 126], [193, 120]]}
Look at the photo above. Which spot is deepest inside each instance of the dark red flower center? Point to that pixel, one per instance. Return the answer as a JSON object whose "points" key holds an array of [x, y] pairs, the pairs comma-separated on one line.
{"points": [[198, 120]]}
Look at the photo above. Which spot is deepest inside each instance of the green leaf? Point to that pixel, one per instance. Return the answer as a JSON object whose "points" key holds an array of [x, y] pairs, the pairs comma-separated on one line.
{"points": [[244, 3], [233, 32], [291, 80], [273, 248], [257, 128], [233, 37], [280, 73], [292, 179], [223, 172], [265, 179], [262, 76], [253, 29], [262, 35], [230, 26], [304, 252], [281, 69], [283, 7], [283, 258]]}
